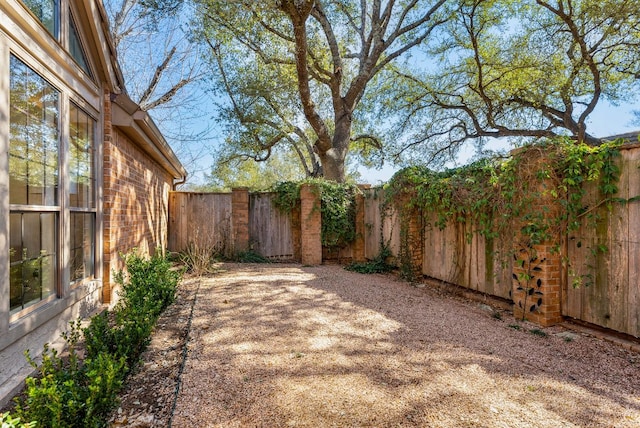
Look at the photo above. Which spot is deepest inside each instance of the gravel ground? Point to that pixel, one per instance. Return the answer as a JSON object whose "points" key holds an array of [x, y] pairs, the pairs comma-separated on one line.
{"points": [[291, 346]]}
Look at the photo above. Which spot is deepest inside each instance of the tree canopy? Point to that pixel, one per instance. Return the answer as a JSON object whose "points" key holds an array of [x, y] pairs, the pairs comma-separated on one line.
{"points": [[298, 70], [530, 68], [410, 79]]}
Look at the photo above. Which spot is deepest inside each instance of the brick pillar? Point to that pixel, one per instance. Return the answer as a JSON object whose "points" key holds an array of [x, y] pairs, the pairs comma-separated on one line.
{"points": [[537, 278], [359, 243], [537, 284], [310, 226], [411, 239], [240, 218]]}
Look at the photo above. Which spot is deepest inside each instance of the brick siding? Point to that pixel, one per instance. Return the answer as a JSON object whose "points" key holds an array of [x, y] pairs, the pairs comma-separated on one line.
{"points": [[135, 204]]}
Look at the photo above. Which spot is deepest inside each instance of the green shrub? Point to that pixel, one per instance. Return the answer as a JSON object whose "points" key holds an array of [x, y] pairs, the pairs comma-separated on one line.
{"points": [[377, 265], [71, 393], [104, 375], [148, 286], [249, 256], [7, 421], [55, 398]]}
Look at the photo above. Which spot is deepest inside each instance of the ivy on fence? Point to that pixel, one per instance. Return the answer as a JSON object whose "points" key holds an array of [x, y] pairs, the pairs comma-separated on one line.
{"points": [[502, 196], [337, 207]]}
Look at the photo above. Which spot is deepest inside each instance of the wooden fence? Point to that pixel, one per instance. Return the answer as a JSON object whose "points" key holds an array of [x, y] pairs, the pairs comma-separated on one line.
{"points": [[202, 219], [605, 261], [271, 232], [600, 273], [381, 228], [207, 220], [609, 291]]}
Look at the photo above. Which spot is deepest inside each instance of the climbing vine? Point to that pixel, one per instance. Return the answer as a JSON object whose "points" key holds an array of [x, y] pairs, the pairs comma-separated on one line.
{"points": [[503, 196], [337, 208]]}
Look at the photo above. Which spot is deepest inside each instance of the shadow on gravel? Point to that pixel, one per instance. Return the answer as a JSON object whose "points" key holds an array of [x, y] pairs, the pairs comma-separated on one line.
{"points": [[285, 345]]}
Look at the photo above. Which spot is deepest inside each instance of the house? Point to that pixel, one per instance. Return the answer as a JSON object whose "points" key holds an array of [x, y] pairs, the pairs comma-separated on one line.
{"points": [[84, 174]]}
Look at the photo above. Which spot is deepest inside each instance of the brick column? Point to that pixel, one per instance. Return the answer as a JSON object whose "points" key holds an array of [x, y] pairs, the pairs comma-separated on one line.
{"points": [[411, 238], [310, 226], [240, 218], [537, 278], [537, 284], [359, 243]]}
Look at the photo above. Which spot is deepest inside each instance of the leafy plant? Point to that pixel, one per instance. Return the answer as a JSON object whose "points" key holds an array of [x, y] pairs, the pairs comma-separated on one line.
{"points": [[378, 265], [69, 392], [538, 332], [8, 421], [501, 196], [61, 394], [248, 256], [337, 207]]}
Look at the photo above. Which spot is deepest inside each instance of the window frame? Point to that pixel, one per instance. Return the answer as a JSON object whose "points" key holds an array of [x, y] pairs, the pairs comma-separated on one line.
{"points": [[92, 107], [57, 18], [37, 208], [93, 208], [72, 22]]}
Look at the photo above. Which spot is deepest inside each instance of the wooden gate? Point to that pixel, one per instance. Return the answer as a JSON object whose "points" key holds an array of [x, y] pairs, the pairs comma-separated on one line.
{"points": [[270, 231], [202, 219]]}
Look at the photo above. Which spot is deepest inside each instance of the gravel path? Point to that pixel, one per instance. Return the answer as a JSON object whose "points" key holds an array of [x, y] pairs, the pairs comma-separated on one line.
{"points": [[291, 346]]}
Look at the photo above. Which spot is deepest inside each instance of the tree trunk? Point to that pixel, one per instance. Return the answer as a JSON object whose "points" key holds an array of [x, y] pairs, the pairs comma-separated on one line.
{"points": [[333, 160], [333, 165]]}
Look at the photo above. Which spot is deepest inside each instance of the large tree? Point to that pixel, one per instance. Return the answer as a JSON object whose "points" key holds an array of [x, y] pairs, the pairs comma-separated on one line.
{"points": [[312, 61], [259, 114], [527, 68]]}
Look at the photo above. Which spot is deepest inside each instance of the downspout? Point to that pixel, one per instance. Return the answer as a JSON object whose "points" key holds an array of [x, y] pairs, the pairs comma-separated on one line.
{"points": [[179, 182]]}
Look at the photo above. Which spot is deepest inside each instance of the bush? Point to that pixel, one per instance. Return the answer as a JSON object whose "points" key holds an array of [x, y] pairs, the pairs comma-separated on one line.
{"points": [[377, 265], [71, 393], [7, 421]]}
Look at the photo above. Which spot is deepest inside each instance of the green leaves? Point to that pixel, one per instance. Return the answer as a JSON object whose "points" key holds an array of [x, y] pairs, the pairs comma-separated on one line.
{"points": [[492, 194], [71, 393], [337, 207]]}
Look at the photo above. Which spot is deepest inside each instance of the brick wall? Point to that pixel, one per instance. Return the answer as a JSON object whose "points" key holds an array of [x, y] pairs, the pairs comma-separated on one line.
{"points": [[135, 204]]}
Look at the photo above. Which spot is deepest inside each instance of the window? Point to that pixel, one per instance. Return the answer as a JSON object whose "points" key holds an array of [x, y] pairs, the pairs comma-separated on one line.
{"points": [[33, 186], [82, 193], [75, 46], [48, 12]]}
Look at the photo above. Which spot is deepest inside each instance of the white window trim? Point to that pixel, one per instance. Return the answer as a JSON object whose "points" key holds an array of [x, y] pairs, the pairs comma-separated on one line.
{"points": [[90, 99]]}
